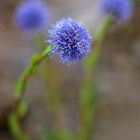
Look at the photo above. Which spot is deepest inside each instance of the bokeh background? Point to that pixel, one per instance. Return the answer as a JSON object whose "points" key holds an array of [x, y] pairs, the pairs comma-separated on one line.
{"points": [[117, 77]]}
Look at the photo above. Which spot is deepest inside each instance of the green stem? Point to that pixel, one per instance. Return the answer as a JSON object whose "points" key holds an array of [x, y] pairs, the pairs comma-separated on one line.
{"points": [[23, 80], [55, 105], [87, 92], [17, 113], [53, 98], [53, 94]]}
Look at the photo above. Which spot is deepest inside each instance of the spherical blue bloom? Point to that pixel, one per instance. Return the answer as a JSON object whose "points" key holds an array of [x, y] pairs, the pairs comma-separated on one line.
{"points": [[120, 9], [31, 14], [70, 39]]}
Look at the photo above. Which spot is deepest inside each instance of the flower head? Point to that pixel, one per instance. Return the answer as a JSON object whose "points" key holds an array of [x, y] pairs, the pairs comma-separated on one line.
{"points": [[120, 9], [31, 14], [70, 39]]}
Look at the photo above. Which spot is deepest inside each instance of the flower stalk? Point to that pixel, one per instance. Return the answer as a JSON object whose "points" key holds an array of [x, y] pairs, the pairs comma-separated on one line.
{"points": [[21, 106], [87, 99]]}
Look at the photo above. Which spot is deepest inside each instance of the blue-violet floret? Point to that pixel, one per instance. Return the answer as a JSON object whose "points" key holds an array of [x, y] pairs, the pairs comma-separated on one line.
{"points": [[70, 39], [121, 10], [31, 14]]}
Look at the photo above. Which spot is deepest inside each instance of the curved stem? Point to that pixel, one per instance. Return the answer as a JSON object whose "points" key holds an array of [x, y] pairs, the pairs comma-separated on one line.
{"points": [[23, 80], [19, 111]]}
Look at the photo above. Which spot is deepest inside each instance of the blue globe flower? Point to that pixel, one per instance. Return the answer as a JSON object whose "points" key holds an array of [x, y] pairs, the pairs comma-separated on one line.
{"points": [[120, 9], [31, 15], [70, 39]]}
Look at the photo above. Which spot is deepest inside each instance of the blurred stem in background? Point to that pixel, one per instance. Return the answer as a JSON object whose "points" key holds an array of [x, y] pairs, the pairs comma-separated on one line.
{"points": [[87, 97], [21, 106], [57, 131], [49, 75]]}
